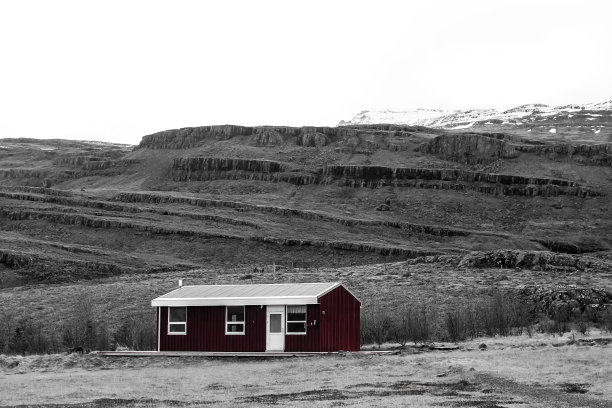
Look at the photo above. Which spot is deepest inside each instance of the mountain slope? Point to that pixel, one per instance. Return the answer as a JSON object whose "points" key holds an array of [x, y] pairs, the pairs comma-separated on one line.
{"points": [[382, 207], [587, 122]]}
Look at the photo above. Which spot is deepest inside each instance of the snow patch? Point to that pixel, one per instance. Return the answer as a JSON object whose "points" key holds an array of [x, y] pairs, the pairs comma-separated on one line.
{"points": [[469, 125]]}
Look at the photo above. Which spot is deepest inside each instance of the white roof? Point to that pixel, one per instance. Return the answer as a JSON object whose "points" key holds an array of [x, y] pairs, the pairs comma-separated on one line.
{"points": [[255, 294]]}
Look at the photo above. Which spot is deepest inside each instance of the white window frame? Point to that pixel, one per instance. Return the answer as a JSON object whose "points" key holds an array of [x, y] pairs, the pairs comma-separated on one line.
{"points": [[174, 333], [287, 321], [243, 322]]}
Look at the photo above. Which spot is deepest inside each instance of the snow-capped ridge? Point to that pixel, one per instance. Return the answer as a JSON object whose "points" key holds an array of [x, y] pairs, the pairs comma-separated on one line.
{"points": [[463, 119]]}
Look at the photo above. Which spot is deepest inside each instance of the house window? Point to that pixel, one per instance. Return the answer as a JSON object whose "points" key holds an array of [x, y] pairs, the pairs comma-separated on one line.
{"points": [[296, 319], [177, 320], [234, 320]]}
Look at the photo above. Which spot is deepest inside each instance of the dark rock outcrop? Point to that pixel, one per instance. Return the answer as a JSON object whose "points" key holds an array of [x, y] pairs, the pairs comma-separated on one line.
{"points": [[42, 190], [212, 168], [43, 268], [579, 247], [267, 137], [198, 164], [311, 138], [595, 154], [469, 148], [541, 260], [564, 304], [187, 138], [93, 162], [108, 206], [453, 179]]}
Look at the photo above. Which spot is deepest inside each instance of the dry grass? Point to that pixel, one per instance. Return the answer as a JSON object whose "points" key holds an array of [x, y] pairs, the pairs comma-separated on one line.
{"points": [[531, 376]]}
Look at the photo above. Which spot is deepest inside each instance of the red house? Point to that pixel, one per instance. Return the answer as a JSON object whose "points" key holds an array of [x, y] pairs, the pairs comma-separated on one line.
{"points": [[290, 317]]}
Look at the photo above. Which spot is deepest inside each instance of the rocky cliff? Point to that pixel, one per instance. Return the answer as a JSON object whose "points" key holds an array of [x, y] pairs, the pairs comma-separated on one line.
{"points": [[93, 162], [569, 303], [307, 136], [594, 154], [478, 148], [187, 138], [469, 148], [452, 179], [211, 168], [536, 260]]}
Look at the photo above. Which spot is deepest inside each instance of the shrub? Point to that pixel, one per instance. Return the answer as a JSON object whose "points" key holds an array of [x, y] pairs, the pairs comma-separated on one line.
{"points": [[82, 329], [376, 327], [136, 334], [410, 324], [554, 327], [6, 330], [102, 339], [605, 320], [455, 325], [422, 324], [502, 315], [79, 329], [29, 338], [406, 327]]}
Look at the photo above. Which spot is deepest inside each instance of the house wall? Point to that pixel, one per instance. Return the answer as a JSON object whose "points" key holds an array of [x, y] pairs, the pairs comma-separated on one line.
{"points": [[339, 329], [206, 331], [310, 340]]}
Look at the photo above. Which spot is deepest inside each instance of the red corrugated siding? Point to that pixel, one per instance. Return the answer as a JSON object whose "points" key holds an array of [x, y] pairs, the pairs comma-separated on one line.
{"points": [[206, 331], [310, 340], [339, 328]]}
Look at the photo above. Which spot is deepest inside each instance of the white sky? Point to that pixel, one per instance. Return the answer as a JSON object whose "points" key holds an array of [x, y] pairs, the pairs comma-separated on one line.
{"points": [[118, 70]]}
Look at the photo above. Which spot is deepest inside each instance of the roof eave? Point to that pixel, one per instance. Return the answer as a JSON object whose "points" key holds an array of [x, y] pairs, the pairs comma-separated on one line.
{"points": [[254, 301]]}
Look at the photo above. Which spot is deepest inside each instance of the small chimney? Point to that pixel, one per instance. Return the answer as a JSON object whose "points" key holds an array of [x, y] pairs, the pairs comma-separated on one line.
{"points": [[180, 283]]}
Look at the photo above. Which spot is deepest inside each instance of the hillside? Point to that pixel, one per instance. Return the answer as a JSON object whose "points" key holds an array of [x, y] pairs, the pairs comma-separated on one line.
{"points": [[387, 208]]}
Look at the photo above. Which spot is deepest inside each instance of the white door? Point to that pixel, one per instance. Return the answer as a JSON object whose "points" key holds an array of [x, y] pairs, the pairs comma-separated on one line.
{"points": [[275, 328]]}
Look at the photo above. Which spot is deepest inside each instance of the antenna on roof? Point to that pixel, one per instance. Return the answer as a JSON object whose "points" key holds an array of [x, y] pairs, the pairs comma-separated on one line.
{"points": [[180, 283]]}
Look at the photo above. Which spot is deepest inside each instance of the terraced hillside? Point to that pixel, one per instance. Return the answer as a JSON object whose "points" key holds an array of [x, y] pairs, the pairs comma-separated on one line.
{"points": [[304, 199]]}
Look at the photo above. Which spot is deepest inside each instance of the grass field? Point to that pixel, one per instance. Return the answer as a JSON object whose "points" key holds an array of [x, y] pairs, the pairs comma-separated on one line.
{"points": [[519, 372]]}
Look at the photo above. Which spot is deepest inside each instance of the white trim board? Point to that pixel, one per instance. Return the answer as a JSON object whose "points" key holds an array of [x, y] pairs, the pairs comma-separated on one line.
{"points": [[244, 301]]}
